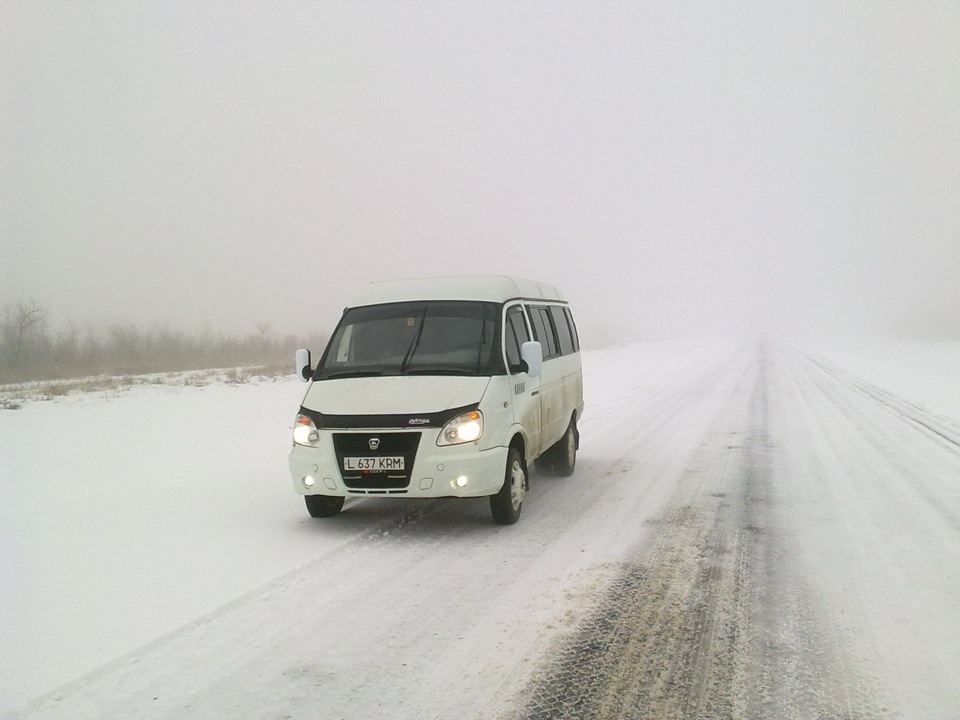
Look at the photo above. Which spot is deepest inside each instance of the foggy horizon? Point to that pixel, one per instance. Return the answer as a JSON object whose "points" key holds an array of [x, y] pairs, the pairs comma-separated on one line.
{"points": [[676, 169]]}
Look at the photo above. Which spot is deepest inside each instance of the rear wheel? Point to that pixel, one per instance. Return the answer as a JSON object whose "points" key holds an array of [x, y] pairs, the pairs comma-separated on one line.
{"points": [[507, 504], [323, 505]]}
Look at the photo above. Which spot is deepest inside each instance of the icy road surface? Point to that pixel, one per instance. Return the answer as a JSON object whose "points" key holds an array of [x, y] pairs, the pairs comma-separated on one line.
{"points": [[750, 533]]}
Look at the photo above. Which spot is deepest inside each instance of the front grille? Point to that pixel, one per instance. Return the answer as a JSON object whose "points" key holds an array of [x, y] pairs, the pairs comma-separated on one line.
{"points": [[389, 444]]}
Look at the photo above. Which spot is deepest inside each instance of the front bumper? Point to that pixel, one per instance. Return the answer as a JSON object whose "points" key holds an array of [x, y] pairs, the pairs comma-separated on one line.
{"points": [[451, 471]]}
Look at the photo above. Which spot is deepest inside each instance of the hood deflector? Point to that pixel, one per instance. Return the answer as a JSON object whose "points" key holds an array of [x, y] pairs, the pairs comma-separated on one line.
{"points": [[406, 421]]}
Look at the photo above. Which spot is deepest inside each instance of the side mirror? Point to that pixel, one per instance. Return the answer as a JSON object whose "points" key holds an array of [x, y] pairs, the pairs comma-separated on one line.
{"points": [[532, 354], [304, 371]]}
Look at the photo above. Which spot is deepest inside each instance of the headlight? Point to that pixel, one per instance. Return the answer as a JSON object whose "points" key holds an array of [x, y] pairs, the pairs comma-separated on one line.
{"points": [[305, 432], [462, 429]]}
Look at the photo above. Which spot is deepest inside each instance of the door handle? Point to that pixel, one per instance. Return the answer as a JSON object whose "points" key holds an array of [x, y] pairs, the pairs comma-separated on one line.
{"points": [[534, 393]]}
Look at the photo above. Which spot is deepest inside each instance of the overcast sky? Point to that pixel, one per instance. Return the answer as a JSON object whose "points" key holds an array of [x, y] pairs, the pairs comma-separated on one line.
{"points": [[674, 167]]}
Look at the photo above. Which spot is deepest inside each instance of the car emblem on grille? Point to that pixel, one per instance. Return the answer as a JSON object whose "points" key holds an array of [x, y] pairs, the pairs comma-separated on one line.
{"points": [[374, 443]]}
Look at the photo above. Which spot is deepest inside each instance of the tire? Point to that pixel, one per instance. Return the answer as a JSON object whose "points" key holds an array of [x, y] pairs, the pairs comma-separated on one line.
{"points": [[507, 504], [320, 506], [561, 457]]}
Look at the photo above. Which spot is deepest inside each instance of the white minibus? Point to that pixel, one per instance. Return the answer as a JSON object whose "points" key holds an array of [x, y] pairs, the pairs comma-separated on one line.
{"points": [[440, 387]]}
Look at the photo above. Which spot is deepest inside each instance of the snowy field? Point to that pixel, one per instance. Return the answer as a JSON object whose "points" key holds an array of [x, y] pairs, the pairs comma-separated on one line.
{"points": [[156, 562]]}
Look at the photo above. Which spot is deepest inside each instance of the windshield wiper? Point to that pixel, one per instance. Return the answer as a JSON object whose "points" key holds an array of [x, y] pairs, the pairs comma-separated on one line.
{"points": [[483, 338], [352, 373], [414, 343], [439, 371]]}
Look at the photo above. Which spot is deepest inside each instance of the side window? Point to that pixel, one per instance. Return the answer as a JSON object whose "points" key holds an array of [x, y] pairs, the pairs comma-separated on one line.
{"points": [[563, 329], [543, 330], [538, 332], [573, 329], [514, 335]]}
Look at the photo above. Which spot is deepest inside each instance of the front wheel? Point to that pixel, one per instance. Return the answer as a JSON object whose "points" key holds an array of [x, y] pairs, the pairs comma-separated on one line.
{"points": [[507, 504], [320, 506]]}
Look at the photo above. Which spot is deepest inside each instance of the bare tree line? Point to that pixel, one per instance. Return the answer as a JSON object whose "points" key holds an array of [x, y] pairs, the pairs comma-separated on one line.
{"points": [[28, 351]]}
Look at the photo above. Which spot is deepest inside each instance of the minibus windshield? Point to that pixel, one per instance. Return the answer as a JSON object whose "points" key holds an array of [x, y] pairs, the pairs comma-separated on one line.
{"points": [[415, 338]]}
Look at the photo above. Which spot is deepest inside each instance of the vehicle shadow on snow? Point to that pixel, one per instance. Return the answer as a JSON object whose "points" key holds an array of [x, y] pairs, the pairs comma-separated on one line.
{"points": [[376, 516]]}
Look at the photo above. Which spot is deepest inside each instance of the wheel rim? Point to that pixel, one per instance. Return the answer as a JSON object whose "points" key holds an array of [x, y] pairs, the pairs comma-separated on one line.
{"points": [[517, 482]]}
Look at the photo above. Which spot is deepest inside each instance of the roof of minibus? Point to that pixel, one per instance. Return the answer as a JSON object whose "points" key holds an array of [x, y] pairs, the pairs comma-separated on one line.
{"points": [[488, 288]]}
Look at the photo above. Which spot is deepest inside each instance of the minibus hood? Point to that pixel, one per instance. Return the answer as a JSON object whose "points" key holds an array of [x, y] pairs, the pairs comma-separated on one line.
{"points": [[395, 395]]}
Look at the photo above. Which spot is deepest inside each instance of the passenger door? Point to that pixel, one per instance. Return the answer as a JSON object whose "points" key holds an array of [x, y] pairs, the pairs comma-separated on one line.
{"points": [[552, 411], [525, 387]]}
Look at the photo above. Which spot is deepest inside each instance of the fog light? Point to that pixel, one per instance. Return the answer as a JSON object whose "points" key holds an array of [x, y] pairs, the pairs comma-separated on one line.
{"points": [[462, 481], [307, 481]]}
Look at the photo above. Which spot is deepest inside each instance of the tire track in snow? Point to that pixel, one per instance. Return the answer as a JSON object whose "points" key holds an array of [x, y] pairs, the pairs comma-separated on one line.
{"points": [[705, 621], [887, 443], [873, 516], [939, 427]]}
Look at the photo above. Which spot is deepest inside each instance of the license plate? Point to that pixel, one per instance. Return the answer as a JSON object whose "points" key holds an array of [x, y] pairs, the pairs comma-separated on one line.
{"points": [[373, 464]]}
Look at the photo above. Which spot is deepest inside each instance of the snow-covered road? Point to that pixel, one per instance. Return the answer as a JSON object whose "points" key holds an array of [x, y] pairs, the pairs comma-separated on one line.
{"points": [[751, 532]]}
